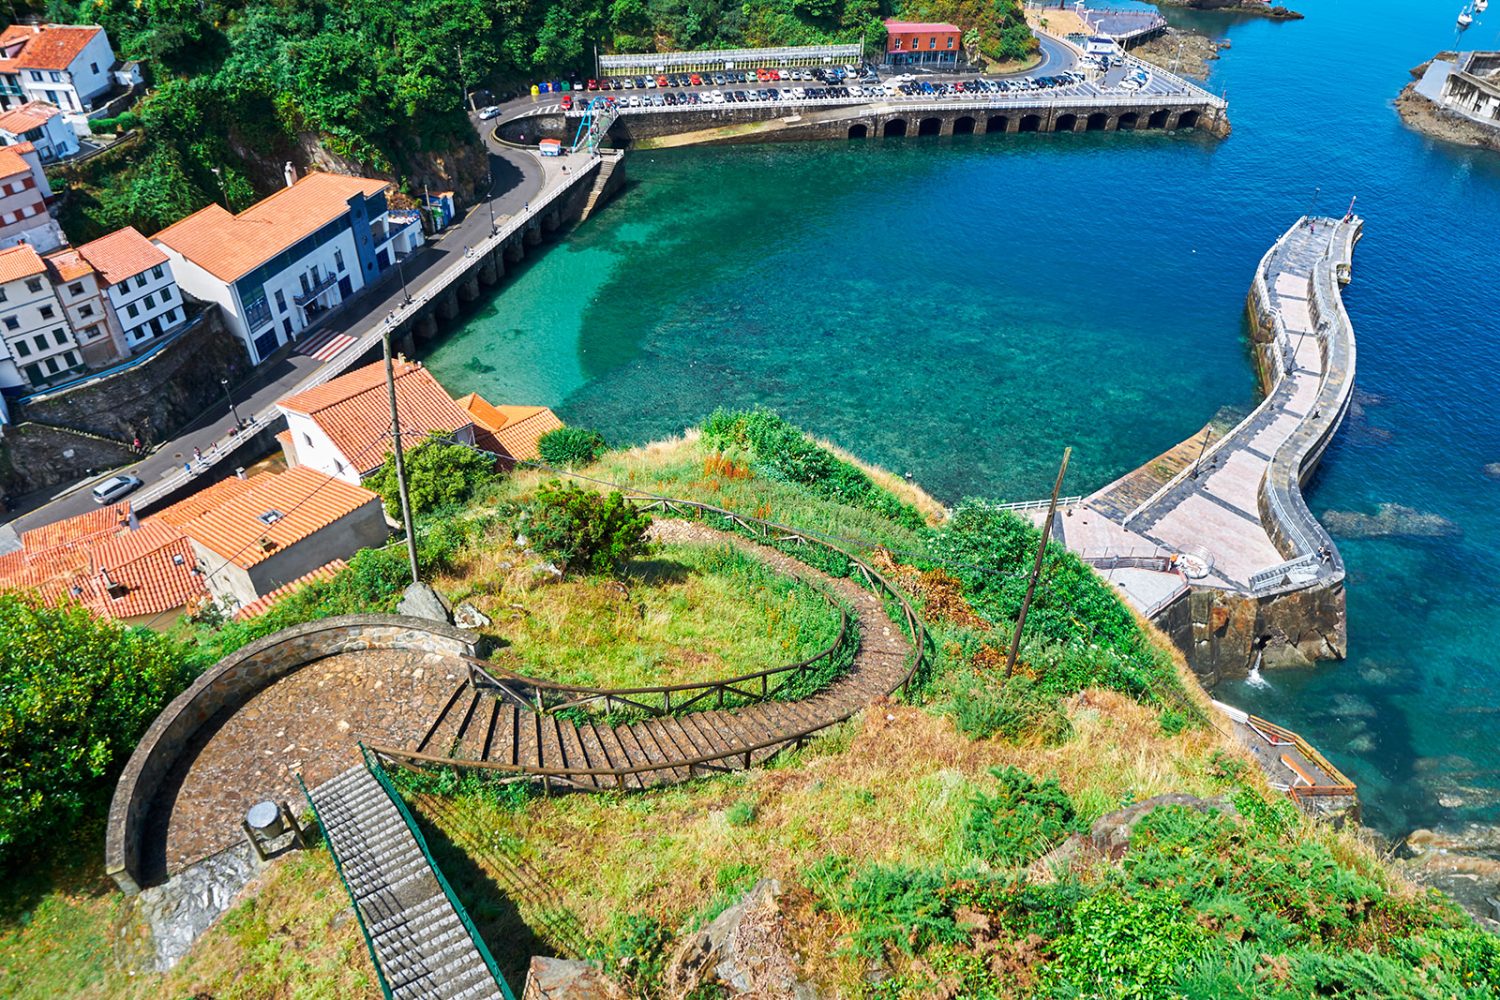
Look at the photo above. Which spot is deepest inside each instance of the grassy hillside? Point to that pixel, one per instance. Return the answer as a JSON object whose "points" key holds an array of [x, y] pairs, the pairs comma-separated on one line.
{"points": [[935, 846]]}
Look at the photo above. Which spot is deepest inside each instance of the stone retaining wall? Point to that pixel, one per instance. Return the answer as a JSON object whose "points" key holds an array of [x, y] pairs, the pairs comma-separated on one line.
{"points": [[227, 685]]}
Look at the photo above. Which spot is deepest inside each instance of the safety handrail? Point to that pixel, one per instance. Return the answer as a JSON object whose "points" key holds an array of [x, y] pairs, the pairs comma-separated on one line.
{"points": [[359, 917], [372, 763]]}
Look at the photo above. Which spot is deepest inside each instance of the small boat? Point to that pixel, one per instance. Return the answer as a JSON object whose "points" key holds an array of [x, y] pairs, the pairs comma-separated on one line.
{"points": [[1465, 18], [1480, 5]]}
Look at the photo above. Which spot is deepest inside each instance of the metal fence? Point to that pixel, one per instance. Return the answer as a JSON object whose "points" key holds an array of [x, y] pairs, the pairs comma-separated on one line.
{"points": [[626, 64]]}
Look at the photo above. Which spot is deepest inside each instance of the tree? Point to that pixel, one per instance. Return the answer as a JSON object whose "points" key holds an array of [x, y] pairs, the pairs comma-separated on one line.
{"points": [[76, 693], [439, 475], [570, 446], [588, 531]]}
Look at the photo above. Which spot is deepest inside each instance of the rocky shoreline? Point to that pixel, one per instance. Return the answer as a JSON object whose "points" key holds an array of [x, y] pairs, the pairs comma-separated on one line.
{"points": [[1277, 12], [1464, 865], [1423, 115], [1191, 52]]}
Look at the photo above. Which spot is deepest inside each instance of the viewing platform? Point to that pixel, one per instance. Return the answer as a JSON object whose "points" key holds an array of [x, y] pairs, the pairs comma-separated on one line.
{"points": [[1213, 539]]}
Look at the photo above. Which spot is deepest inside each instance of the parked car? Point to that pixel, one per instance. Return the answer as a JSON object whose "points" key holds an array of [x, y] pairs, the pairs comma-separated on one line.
{"points": [[485, 114], [114, 488], [567, 102]]}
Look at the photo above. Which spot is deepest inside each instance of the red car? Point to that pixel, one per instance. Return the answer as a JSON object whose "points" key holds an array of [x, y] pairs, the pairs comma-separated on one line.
{"points": [[774, 74], [593, 84], [567, 102], [697, 80], [762, 75], [661, 81]]}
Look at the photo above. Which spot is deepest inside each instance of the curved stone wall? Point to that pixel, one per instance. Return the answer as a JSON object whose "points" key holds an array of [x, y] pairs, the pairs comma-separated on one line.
{"points": [[230, 683]]}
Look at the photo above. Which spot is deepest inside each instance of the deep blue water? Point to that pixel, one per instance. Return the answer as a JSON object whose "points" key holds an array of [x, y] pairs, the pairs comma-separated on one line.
{"points": [[963, 308]]}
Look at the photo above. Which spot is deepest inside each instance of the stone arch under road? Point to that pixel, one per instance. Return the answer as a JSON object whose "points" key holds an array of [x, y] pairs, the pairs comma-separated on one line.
{"points": [[930, 126], [1031, 123], [1098, 122], [894, 127], [1128, 122], [1158, 119], [1066, 123], [859, 130], [1188, 119], [963, 125], [997, 123]]}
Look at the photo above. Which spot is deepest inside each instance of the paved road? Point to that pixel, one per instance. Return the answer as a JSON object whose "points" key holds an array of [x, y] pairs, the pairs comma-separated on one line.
{"points": [[517, 178]]}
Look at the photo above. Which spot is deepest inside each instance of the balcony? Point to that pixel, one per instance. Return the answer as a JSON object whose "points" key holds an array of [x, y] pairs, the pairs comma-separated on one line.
{"points": [[327, 282]]}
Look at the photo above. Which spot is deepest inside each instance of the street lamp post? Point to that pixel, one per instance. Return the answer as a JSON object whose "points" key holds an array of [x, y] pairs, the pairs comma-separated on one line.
{"points": [[489, 193], [400, 270], [236, 413]]}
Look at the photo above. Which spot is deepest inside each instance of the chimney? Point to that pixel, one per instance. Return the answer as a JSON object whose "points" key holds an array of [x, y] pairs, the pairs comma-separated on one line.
{"points": [[290, 172]]}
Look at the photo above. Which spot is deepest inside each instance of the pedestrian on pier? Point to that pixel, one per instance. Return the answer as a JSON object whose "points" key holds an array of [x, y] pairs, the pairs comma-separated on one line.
{"points": [[197, 454], [187, 468]]}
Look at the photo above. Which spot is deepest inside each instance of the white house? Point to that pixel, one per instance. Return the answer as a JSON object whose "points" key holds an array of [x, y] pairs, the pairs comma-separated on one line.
{"points": [[24, 216], [32, 321], [278, 266], [138, 280], [42, 125], [342, 427], [66, 65], [80, 289]]}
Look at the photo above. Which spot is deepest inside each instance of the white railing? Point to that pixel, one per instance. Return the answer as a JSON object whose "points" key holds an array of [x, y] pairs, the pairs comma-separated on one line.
{"points": [[1270, 579], [1035, 504], [742, 58]]}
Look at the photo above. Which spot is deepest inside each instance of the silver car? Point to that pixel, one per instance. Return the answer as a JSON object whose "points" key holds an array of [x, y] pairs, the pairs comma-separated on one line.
{"points": [[114, 488]]}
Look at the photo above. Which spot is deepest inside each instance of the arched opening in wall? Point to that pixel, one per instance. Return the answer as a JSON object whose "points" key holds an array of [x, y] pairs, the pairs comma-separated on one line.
{"points": [[1066, 123], [1031, 123], [930, 126], [894, 127], [1188, 119], [1128, 122], [858, 130], [1158, 119], [964, 125], [997, 123], [1098, 122]]}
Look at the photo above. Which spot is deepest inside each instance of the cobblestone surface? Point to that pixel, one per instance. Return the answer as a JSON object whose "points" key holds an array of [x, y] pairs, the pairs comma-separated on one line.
{"points": [[308, 722]]}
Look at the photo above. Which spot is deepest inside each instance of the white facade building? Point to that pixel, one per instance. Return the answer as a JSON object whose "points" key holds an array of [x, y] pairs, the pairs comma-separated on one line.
{"points": [[32, 321], [66, 65], [43, 126], [137, 279], [24, 216], [80, 289], [277, 267]]}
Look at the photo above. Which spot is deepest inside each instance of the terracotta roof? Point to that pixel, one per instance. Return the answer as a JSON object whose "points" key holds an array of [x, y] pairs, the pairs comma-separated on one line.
{"points": [[307, 501], [68, 265], [122, 254], [231, 246], [917, 27], [511, 432], [262, 604], [196, 504], [19, 261], [12, 162], [48, 46], [104, 521], [32, 114], [354, 410]]}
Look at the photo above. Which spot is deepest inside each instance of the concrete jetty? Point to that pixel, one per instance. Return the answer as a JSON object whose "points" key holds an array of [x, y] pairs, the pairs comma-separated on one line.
{"points": [[1212, 540]]}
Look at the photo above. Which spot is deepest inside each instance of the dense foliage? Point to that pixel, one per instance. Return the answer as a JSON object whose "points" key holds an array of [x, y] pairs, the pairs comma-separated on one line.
{"points": [[589, 532], [76, 692], [571, 446], [781, 451], [1022, 820], [439, 475]]}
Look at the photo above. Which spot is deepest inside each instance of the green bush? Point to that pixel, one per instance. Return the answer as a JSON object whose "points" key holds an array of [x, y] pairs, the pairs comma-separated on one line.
{"points": [[76, 693], [740, 813], [589, 531], [1021, 821], [439, 475], [782, 451], [900, 907], [571, 447]]}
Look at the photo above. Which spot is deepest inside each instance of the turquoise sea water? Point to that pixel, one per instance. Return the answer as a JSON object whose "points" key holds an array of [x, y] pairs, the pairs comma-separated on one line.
{"points": [[963, 308]]}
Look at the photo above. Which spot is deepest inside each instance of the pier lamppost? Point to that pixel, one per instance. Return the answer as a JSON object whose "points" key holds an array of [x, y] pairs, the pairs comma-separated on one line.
{"points": [[489, 193], [401, 272], [235, 413]]}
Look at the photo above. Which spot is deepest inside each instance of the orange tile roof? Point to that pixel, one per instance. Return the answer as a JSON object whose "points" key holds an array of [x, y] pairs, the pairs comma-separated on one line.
{"points": [[231, 246], [512, 432], [195, 504], [68, 264], [122, 254], [48, 46], [32, 114], [307, 499], [12, 162], [104, 521], [262, 604], [354, 410], [19, 261]]}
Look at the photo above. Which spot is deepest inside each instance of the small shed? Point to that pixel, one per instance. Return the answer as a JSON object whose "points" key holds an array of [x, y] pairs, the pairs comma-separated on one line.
{"points": [[550, 147]]}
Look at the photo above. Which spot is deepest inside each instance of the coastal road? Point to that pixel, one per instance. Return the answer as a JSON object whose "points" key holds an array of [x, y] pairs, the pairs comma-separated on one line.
{"points": [[518, 177]]}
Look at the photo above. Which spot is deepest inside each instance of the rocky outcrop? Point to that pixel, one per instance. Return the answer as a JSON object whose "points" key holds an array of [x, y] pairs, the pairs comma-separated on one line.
{"points": [[419, 600], [744, 950], [1184, 52], [1422, 115], [1110, 835], [568, 979], [1276, 12], [1390, 520], [1465, 864]]}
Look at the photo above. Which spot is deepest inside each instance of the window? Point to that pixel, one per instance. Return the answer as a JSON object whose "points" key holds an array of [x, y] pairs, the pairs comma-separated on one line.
{"points": [[51, 94], [93, 67], [86, 311], [33, 374], [170, 315], [55, 76], [33, 284], [71, 359], [52, 366], [36, 75], [76, 288], [47, 312], [3, 296], [11, 323], [280, 301], [156, 272], [897, 46], [306, 287], [133, 310], [338, 259], [932, 42], [40, 342], [950, 41], [150, 300], [140, 281], [91, 332], [23, 350], [59, 337]]}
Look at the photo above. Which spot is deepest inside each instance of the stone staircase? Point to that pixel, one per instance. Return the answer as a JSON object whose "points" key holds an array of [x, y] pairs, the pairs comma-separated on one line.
{"points": [[420, 941]]}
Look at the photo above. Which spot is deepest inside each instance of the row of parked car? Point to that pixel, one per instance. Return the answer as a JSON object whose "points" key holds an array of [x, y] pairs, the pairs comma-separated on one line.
{"points": [[819, 74], [925, 88]]}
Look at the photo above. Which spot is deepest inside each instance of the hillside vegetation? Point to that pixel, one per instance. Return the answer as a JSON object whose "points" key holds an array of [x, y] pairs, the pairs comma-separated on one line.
{"points": [[944, 843]]}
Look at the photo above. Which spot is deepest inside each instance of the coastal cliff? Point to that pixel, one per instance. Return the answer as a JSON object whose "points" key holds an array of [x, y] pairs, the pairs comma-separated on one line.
{"points": [[1276, 12]]}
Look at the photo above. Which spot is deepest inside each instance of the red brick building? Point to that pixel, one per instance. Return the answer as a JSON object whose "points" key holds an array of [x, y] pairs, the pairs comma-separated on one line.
{"points": [[924, 43]]}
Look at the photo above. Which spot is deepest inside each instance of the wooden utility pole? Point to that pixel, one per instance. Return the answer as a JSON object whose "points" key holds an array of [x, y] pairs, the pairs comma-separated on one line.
{"points": [[1036, 568], [406, 521]]}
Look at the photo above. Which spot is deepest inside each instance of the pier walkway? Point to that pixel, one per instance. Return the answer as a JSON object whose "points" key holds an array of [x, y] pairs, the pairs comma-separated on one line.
{"points": [[1226, 511]]}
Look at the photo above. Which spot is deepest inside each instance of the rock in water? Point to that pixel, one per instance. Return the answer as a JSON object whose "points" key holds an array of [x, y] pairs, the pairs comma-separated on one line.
{"points": [[420, 601], [469, 617], [1390, 520], [1492, 470]]}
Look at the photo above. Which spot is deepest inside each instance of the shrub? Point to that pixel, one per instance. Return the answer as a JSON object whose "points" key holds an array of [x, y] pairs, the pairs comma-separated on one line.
{"points": [[1021, 821], [741, 813], [569, 447], [588, 531], [76, 692], [439, 475], [905, 908]]}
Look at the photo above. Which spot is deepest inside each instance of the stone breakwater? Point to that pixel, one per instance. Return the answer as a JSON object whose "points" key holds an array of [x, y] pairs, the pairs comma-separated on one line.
{"points": [[1245, 575]]}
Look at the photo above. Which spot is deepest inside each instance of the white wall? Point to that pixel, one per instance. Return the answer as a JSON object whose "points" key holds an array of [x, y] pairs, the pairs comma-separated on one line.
{"points": [[57, 353], [198, 283], [88, 308], [86, 77], [315, 449], [164, 305]]}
